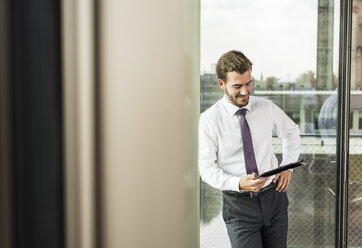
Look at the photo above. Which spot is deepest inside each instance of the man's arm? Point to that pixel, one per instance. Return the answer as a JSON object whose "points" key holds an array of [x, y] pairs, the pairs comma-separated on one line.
{"points": [[209, 170], [290, 134]]}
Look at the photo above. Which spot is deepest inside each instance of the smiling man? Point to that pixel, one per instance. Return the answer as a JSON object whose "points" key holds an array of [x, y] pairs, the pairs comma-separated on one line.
{"points": [[235, 145]]}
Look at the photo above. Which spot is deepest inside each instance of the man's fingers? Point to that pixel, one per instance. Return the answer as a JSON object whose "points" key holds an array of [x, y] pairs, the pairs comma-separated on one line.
{"points": [[260, 181], [280, 184], [251, 176], [276, 177], [286, 185], [283, 184]]}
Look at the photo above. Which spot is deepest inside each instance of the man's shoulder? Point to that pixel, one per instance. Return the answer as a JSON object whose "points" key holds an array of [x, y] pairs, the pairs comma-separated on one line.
{"points": [[260, 101], [214, 110]]}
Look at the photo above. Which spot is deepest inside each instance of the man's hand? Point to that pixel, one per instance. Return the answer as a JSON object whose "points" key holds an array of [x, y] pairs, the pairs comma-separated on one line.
{"points": [[284, 179], [249, 182]]}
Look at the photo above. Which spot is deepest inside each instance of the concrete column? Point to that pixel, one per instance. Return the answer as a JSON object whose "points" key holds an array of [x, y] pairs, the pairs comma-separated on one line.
{"points": [[355, 120], [149, 110], [302, 121], [325, 45]]}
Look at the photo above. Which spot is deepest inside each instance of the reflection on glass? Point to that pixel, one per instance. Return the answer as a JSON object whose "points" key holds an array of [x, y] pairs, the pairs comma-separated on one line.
{"points": [[294, 49]]}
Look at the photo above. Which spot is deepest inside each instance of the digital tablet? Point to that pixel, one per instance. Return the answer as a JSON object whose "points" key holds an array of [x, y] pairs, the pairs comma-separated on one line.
{"points": [[282, 168]]}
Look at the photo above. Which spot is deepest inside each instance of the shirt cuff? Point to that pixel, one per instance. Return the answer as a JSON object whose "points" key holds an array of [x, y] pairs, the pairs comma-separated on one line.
{"points": [[287, 162], [234, 183]]}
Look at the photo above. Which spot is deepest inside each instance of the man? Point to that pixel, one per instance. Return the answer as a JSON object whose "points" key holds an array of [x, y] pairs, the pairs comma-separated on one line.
{"points": [[235, 145]]}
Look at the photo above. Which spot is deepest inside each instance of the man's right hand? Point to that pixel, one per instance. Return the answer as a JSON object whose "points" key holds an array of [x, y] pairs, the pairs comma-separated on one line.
{"points": [[249, 182]]}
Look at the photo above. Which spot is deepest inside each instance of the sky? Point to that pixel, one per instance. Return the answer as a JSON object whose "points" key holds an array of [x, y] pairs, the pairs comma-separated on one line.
{"points": [[279, 36]]}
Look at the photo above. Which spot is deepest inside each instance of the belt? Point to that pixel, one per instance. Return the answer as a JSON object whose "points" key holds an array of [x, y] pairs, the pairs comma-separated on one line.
{"points": [[249, 194]]}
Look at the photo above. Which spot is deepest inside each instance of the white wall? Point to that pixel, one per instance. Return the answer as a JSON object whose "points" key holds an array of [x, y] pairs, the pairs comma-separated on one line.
{"points": [[149, 82]]}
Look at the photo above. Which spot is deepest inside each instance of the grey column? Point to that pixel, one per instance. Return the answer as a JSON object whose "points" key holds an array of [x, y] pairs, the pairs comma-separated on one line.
{"points": [[325, 45]]}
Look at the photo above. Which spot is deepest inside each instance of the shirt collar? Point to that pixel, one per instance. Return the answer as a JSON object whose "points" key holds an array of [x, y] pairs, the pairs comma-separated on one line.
{"points": [[231, 108]]}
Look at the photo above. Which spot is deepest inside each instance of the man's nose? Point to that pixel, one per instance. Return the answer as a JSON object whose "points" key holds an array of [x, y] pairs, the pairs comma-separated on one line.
{"points": [[243, 91]]}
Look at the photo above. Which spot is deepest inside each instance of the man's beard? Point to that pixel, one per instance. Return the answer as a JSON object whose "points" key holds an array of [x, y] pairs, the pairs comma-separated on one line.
{"points": [[234, 100]]}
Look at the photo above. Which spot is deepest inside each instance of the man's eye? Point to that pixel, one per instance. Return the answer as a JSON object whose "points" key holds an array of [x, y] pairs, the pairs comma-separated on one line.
{"points": [[237, 87]]}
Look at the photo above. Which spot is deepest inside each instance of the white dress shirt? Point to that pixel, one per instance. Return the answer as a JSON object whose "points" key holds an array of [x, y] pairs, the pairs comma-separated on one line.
{"points": [[221, 156]]}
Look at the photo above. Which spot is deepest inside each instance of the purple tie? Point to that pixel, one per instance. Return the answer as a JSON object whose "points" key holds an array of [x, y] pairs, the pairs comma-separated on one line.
{"points": [[249, 156]]}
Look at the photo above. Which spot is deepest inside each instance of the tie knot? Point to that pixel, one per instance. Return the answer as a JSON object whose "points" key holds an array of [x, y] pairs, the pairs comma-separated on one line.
{"points": [[241, 112]]}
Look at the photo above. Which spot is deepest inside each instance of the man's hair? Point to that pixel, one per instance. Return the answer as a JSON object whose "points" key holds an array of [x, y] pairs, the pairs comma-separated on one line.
{"points": [[232, 61]]}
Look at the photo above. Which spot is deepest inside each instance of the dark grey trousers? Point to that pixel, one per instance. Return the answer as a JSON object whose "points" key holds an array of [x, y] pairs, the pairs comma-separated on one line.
{"points": [[257, 222]]}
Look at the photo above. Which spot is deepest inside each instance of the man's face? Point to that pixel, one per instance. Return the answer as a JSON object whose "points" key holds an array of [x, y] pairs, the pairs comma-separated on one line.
{"points": [[237, 88]]}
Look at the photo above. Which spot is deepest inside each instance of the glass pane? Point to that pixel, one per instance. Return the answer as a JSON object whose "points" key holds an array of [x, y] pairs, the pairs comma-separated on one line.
{"points": [[355, 145], [294, 49]]}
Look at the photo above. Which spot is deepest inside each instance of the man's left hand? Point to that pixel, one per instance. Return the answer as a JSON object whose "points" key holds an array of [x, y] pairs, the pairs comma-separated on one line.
{"points": [[284, 179]]}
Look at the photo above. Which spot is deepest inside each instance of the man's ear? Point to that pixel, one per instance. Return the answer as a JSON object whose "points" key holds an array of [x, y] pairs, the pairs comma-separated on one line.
{"points": [[221, 84]]}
